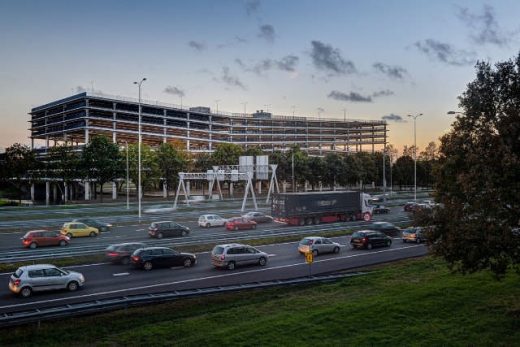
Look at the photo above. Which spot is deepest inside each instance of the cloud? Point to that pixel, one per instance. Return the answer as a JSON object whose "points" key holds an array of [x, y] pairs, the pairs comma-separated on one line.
{"points": [[237, 40], [267, 32], [229, 79], [484, 26], [252, 6], [352, 96], [174, 91], [386, 92], [393, 72], [445, 53], [393, 118], [287, 63], [198, 46], [329, 59], [320, 109]]}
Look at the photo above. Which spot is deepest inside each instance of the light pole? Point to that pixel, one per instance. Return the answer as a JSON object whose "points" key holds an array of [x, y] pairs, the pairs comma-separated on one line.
{"points": [[216, 102], [139, 188], [127, 179], [415, 154]]}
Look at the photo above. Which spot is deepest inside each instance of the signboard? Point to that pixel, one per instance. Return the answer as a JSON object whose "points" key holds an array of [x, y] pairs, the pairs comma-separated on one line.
{"points": [[262, 167], [246, 164], [309, 257]]}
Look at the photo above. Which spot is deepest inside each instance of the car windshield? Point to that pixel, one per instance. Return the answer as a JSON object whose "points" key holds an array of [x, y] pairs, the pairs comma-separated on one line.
{"points": [[358, 234], [218, 250], [111, 248], [306, 242], [409, 231], [18, 273]]}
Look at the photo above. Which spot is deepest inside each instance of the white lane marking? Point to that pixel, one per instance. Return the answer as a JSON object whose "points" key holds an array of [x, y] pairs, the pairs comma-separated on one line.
{"points": [[121, 274], [272, 255], [204, 278], [140, 230]]}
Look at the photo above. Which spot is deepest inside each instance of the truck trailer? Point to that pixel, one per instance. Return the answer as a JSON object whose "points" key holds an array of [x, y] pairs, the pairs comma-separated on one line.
{"points": [[320, 207]]}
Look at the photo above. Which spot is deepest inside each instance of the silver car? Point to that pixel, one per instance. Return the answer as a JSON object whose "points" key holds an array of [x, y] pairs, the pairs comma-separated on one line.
{"points": [[42, 277], [232, 255], [211, 220], [318, 245]]}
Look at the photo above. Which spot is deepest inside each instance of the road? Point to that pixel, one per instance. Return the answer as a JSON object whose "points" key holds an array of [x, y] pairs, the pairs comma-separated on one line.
{"points": [[110, 281]]}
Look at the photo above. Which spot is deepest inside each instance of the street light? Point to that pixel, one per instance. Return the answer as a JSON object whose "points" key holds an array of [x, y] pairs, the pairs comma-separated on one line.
{"points": [[415, 155], [216, 102], [127, 179], [139, 188], [454, 112]]}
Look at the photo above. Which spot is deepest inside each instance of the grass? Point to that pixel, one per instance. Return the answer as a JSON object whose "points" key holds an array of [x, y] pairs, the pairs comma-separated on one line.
{"points": [[410, 303]]}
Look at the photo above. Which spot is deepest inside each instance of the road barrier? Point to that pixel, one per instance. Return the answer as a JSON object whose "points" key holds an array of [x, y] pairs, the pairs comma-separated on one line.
{"points": [[103, 305]]}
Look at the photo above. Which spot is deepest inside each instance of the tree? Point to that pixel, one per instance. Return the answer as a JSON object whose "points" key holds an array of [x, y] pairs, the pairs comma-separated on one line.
{"points": [[64, 163], [283, 171], [316, 170], [403, 171], [254, 150], [202, 162], [333, 170], [19, 161], [430, 152], [226, 154], [101, 161], [171, 161], [150, 172], [478, 176], [408, 151]]}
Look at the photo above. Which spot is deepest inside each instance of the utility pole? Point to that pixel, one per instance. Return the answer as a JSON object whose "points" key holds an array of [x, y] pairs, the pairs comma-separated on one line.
{"points": [[139, 188], [415, 155]]}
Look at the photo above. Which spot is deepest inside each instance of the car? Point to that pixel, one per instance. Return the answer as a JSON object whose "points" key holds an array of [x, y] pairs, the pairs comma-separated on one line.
{"points": [[240, 223], [413, 234], [101, 226], [167, 229], [152, 257], [369, 239], [40, 238], [158, 209], [380, 209], [258, 217], [318, 245], [386, 228], [211, 220], [229, 256], [74, 229], [120, 253], [408, 207], [41, 277]]}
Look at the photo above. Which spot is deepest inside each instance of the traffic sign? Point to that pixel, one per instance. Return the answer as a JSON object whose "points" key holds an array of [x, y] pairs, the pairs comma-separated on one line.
{"points": [[309, 257]]}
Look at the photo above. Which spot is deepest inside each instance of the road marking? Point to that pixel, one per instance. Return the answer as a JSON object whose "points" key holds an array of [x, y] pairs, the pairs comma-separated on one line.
{"points": [[140, 230], [204, 278], [271, 255], [121, 274]]}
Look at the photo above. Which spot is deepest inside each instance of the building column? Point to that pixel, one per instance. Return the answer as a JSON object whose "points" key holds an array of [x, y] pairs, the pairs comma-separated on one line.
{"points": [[32, 192], [188, 188], [259, 184], [54, 192], [164, 189], [47, 192], [87, 140], [87, 190], [65, 192], [32, 142], [114, 190], [47, 143], [210, 144], [164, 127]]}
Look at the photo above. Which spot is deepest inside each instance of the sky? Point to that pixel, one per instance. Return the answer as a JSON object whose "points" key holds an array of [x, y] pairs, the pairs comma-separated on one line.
{"points": [[368, 60]]}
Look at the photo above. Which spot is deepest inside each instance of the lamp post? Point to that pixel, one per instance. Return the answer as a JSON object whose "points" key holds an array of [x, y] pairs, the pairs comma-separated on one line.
{"points": [[216, 102], [127, 179], [139, 188], [415, 155]]}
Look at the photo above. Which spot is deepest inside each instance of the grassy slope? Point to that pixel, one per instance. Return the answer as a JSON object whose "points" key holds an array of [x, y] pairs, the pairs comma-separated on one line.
{"points": [[415, 302]]}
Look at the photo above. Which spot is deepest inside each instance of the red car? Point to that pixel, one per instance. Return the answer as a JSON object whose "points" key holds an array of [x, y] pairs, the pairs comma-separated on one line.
{"points": [[39, 238], [240, 223]]}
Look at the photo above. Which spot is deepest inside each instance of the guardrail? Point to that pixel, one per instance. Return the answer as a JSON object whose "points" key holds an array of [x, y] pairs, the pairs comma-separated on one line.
{"points": [[103, 305]]}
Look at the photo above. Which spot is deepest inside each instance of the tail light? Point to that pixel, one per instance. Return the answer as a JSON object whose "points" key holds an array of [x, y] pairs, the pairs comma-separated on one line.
{"points": [[365, 239], [222, 257], [136, 258], [112, 254], [17, 282]]}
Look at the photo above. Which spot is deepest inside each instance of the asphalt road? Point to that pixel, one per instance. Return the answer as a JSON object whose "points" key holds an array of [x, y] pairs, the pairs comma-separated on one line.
{"points": [[110, 281]]}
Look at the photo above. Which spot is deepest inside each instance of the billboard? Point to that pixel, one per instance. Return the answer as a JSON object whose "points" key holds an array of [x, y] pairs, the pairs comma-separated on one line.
{"points": [[262, 167]]}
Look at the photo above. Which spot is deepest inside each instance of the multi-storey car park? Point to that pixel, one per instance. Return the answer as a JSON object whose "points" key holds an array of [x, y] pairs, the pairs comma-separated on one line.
{"points": [[77, 118]]}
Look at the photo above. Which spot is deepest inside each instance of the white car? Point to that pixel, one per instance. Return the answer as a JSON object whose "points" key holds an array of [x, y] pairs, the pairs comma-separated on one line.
{"points": [[211, 220]]}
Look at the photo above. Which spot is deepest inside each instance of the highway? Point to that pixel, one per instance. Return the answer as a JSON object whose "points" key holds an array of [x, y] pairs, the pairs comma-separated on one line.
{"points": [[110, 281]]}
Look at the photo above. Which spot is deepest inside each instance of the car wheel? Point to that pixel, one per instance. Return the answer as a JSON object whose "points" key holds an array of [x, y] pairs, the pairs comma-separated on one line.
{"points": [[404, 241], [253, 226], [231, 265], [262, 261], [93, 234], [160, 235], [418, 240], [184, 233], [207, 225], [63, 243], [315, 253], [235, 228], [147, 266], [26, 292], [187, 262], [125, 260], [335, 250], [369, 246], [33, 245], [72, 286], [69, 235]]}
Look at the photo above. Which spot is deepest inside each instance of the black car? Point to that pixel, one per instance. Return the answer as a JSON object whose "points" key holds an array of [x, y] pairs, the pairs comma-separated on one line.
{"points": [[258, 217], [121, 253], [94, 224], [380, 209], [386, 227], [369, 239], [167, 229], [151, 257]]}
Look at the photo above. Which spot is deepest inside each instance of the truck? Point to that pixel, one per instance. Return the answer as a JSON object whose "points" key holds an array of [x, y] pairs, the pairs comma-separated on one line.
{"points": [[320, 207]]}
